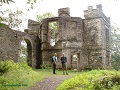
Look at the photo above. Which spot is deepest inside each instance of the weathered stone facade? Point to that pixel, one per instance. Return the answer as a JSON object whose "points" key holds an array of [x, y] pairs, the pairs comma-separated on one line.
{"points": [[10, 42], [87, 40]]}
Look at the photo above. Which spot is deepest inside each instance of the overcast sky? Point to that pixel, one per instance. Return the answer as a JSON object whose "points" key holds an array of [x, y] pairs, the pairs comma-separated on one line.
{"points": [[110, 7]]}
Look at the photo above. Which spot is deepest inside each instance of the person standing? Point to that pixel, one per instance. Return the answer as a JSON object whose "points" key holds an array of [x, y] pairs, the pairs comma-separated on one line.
{"points": [[54, 61], [64, 62]]}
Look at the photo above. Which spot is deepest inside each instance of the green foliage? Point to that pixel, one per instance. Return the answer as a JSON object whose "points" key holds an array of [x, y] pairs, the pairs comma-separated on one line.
{"points": [[6, 1], [109, 82], [44, 66], [9, 65], [5, 66], [92, 80], [88, 68], [53, 28], [116, 61], [2, 25], [23, 49], [31, 3], [39, 17], [18, 76], [14, 18], [115, 40]]}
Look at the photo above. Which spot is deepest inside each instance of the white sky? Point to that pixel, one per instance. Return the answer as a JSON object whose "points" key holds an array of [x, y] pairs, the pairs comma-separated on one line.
{"points": [[110, 7]]}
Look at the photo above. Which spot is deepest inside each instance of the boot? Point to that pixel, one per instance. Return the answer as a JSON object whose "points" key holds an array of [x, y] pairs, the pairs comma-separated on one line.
{"points": [[66, 73]]}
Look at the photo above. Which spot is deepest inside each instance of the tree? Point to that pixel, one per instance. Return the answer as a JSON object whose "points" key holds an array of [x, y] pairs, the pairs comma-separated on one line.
{"points": [[6, 1], [14, 18], [39, 17], [30, 2], [1, 12], [115, 41]]}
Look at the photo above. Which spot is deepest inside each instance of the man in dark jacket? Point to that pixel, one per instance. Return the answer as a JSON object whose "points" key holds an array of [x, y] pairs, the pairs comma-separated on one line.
{"points": [[64, 62]]}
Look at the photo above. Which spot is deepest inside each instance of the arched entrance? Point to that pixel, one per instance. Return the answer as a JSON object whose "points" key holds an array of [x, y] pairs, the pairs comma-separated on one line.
{"points": [[29, 52], [26, 51], [74, 61]]}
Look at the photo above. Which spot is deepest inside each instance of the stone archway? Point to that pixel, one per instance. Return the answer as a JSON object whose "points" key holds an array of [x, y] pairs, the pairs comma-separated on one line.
{"points": [[74, 61], [29, 52]]}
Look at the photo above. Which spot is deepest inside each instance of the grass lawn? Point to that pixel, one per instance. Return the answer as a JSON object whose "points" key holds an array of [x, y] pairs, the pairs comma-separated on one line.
{"points": [[20, 76], [20, 80]]}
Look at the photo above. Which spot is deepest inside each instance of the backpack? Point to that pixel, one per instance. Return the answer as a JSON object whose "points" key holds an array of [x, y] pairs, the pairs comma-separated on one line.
{"points": [[55, 59], [52, 59]]}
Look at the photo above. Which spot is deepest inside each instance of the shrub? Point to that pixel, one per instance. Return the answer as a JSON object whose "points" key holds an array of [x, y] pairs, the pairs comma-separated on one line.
{"points": [[8, 65], [44, 66], [88, 68], [93, 80], [5, 66], [2, 80]]}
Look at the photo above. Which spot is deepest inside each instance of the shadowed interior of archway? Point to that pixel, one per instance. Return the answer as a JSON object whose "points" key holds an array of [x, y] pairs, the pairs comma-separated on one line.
{"points": [[29, 52]]}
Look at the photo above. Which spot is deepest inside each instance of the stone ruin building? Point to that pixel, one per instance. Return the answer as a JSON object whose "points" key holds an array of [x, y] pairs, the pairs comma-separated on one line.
{"points": [[85, 42]]}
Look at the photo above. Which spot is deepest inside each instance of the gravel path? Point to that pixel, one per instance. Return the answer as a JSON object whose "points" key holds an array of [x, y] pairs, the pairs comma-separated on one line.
{"points": [[50, 83]]}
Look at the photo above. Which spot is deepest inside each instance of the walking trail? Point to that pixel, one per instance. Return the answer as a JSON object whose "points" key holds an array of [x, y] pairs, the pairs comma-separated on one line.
{"points": [[50, 83]]}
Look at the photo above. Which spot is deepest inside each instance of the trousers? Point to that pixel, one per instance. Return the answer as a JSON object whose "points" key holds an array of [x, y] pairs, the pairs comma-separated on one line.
{"points": [[54, 68]]}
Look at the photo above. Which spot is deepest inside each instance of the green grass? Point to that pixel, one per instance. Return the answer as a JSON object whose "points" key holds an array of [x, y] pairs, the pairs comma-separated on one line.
{"points": [[93, 80], [21, 76]]}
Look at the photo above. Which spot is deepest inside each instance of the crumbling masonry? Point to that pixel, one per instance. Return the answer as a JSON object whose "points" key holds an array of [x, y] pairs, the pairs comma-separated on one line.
{"points": [[85, 42]]}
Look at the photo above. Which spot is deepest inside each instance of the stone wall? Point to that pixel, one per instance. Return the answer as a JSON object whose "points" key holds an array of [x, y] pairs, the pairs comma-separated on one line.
{"points": [[10, 45]]}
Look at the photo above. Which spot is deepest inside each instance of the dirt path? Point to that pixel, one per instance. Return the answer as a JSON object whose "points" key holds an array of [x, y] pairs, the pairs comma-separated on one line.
{"points": [[50, 83]]}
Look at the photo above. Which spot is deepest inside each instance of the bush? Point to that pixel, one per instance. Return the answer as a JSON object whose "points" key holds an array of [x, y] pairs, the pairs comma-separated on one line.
{"points": [[44, 66], [8, 65], [88, 68], [2, 80], [93, 80], [108, 83], [22, 66], [5, 66]]}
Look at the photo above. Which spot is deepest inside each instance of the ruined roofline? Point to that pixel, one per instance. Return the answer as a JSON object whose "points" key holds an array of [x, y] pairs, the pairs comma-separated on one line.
{"points": [[32, 22], [93, 13], [52, 19]]}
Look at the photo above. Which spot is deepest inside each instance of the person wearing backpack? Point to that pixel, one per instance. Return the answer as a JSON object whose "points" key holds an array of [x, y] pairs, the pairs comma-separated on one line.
{"points": [[54, 62], [64, 62]]}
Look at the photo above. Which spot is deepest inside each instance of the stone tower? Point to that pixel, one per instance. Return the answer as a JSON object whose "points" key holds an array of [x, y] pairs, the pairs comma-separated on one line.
{"points": [[97, 37]]}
